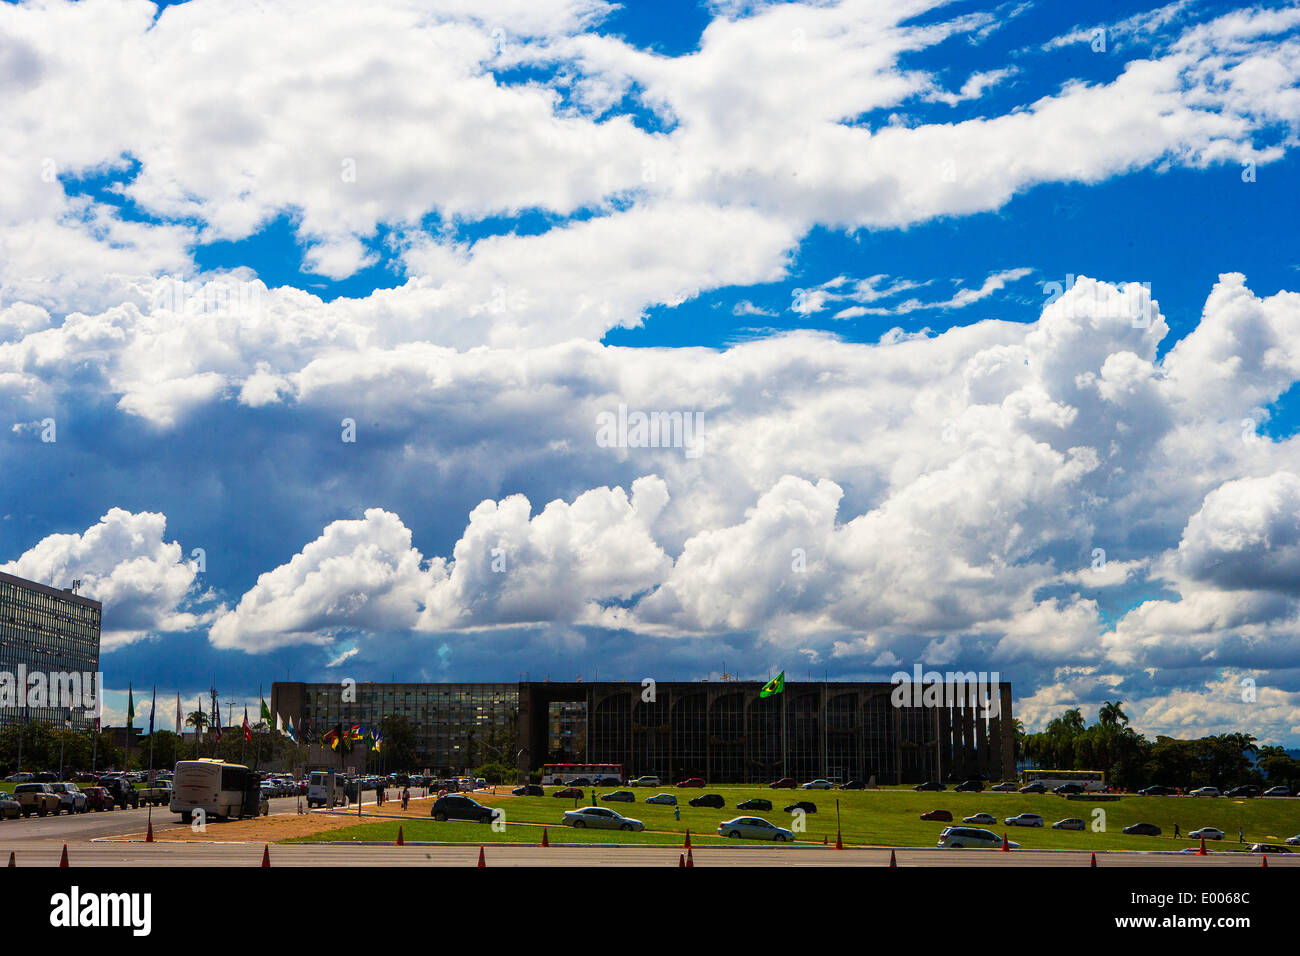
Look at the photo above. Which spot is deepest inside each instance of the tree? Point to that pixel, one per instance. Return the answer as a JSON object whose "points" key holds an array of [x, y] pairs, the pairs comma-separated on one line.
{"points": [[1112, 714], [199, 721]]}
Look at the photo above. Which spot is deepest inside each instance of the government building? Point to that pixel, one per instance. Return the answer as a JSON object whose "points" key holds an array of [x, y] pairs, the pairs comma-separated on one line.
{"points": [[721, 731], [53, 633]]}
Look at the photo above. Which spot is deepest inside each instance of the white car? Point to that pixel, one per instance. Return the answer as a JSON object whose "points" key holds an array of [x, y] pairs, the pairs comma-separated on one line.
{"points": [[1209, 833], [644, 782], [71, 799], [754, 828], [601, 818], [1293, 841], [23, 777], [985, 818], [817, 785], [667, 799], [958, 838], [1205, 792], [1024, 820], [1070, 823]]}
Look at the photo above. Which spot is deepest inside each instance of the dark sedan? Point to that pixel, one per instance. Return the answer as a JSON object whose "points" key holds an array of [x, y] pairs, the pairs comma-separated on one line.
{"points": [[807, 806], [1036, 787], [1156, 790], [1142, 829], [1248, 790], [853, 785], [713, 800], [1065, 789], [758, 803], [462, 808], [970, 786], [529, 790], [930, 786]]}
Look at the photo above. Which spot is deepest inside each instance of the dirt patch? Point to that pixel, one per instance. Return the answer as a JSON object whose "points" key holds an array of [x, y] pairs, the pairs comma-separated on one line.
{"points": [[286, 826]]}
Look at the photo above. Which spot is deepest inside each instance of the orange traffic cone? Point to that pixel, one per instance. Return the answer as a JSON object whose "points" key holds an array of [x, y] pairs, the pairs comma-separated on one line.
{"points": [[1201, 851], [892, 860], [400, 841], [482, 860], [63, 860], [1094, 860], [11, 859], [545, 839], [687, 844], [690, 861], [148, 837], [266, 855], [1265, 862], [839, 841], [1006, 847], [681, 860]]}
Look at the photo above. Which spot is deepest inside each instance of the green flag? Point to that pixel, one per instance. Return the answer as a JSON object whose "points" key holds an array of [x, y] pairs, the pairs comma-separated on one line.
{"points": [[130, 707], [266, 712], [774, 686]]}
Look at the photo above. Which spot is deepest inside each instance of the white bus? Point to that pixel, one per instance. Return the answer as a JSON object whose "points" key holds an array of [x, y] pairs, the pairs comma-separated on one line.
{"points": [[220, 790]]}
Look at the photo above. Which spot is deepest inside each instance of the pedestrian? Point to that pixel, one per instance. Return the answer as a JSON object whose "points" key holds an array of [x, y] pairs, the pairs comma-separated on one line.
{"points": [[1176, 830], [406, 796], [379, 794], [1241, 835], [677, 812]]}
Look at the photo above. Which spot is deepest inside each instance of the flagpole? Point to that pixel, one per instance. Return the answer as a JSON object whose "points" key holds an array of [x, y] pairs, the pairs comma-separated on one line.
{"points": [[153, 711]]}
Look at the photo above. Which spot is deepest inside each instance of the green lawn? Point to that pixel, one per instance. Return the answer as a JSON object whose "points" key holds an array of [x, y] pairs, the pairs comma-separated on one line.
{"points": [[888, 817], [430, 831]]}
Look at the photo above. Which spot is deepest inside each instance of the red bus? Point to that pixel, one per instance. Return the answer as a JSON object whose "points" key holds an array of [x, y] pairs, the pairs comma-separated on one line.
{"points": [[598, 774]]}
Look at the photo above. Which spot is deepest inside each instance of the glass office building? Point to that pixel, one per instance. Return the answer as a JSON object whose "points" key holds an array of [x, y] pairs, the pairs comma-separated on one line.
{"points": [[724, 732], [54, 634]]}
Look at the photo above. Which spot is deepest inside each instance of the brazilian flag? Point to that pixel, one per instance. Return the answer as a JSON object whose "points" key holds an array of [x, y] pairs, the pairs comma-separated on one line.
{"points": [[775, 686]]}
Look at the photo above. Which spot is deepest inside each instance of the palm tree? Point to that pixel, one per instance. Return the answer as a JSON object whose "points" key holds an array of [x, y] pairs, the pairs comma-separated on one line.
{"points": [[199, 721], [1112, 714]]}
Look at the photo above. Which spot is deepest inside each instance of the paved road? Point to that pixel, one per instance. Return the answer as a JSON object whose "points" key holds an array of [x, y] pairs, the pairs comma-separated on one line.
{"points": [[106, 823], [107, 854]]}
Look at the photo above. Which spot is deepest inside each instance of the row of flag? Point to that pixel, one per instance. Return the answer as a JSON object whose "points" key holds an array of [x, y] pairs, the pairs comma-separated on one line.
{"points": [[338, 736], [281, 727]]}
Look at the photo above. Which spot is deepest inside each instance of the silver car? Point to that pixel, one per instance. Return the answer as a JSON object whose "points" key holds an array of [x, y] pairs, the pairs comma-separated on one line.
{"points": [[601, 818], [1070, 823], [71, 799], [817, 785], [754, 828], [667, 799]]}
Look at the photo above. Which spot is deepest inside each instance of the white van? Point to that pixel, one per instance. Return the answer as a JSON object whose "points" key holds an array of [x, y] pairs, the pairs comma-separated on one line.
{"points": [[325, 789]]}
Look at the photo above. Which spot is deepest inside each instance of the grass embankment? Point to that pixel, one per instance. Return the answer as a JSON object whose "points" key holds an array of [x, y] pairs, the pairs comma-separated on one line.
{"points": [[887, 817]]}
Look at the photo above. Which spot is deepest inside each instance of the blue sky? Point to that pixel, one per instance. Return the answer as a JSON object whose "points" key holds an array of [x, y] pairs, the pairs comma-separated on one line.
{"points": [[831, 231]]}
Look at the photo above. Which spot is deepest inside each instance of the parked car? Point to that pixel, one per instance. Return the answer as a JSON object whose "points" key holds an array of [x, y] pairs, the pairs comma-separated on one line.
{"points": [[1142, 829], [1246, 790], [1208, 833], [1293, 840], [970, 786], [1065, 789], [757, 803], [1205, 792], [986, 818], [647, 781], [785, 783], [853, 785], [807, 806], [1156, 790], [529, 790], [620, 796], [457, 807], [1268, 848], [958, 838], [1278, 792], [37, 798], [122, 790], [1070, 823], [817, 785], [1024, 820], [754, 828], [691, 782], [1007, 786], [580, 782], [1036, 787], [943, 816], [160, 794], [23, 777], [71, 799], [98, 798], [667, 799], [9, 807], [601, 818], [930, 786], [713, 800]]}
